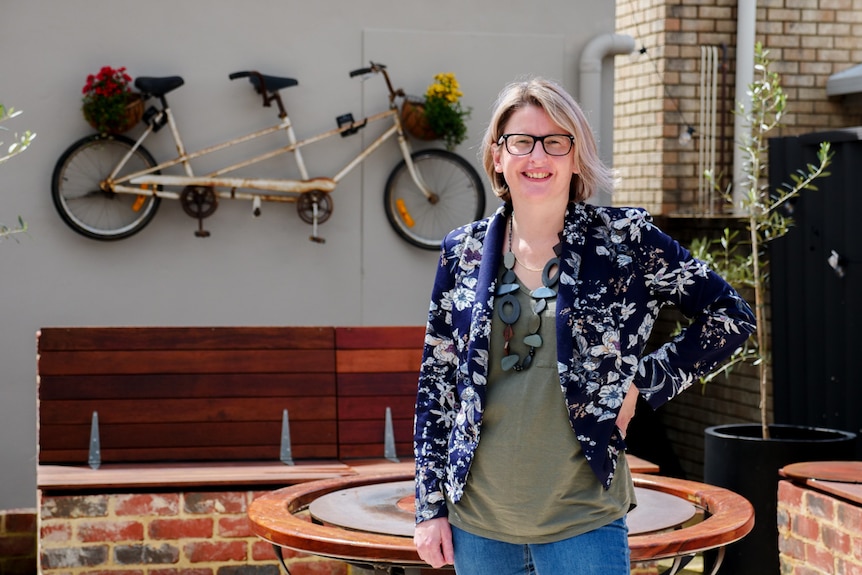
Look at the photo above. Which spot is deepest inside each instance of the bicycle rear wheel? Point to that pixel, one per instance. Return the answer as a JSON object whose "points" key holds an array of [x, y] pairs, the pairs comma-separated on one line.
{"points": [[459, 197], [87, 206]]}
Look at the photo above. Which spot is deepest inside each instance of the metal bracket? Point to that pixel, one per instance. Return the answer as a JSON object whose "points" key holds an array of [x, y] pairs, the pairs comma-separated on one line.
{"points": [[286, 456], [389, 439], [95, 456]]}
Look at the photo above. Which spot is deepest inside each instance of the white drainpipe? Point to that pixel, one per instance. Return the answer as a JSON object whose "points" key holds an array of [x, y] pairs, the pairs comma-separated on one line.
{"points": [[746, 21], [594, 52]]}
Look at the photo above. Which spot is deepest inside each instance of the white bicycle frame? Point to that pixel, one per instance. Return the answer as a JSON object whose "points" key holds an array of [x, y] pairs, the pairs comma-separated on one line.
{"points": [[145, 182]]}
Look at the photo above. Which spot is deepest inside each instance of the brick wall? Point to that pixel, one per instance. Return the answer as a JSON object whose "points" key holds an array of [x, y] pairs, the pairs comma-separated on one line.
{"points": [[818, 534], [657, 90], [17, 541], [189, 533]]}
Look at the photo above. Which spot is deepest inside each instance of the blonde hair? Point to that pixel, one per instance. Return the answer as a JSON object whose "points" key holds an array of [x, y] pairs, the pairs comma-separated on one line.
{"points": [[564, 111]]}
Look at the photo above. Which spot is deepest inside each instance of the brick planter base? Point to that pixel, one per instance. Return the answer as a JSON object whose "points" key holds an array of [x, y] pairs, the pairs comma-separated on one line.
{"points": [[818, 533], [173, 533]]}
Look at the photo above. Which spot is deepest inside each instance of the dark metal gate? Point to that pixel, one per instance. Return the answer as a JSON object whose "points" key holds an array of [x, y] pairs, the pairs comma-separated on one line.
{"points": [[817, 287]]}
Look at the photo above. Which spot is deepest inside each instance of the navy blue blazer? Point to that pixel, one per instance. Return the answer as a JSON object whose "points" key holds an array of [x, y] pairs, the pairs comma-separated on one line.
{"points": [[617, 270]]}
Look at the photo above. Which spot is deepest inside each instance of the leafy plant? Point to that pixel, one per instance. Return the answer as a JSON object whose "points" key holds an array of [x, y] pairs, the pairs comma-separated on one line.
{"points": [[106, 96], [745, 263], [19, 144], [444, 111]]}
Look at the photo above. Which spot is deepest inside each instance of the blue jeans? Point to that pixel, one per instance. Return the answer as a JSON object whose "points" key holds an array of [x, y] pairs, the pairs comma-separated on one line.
{"points": [[604, 551]]}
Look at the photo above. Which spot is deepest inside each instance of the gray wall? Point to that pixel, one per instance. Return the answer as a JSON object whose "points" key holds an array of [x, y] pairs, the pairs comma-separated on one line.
{"points": [[251, 271]]}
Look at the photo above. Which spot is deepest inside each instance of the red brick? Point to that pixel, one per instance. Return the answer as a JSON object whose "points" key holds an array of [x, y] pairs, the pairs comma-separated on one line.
{"points": [[202, 551], [318, 567], [115, 572], [792, 547], [820, 505], [96, 531], [74, 506], [262, 551], [820, 558], [54, 532], [234, 527], [849, 517], [183, 571], [836, 541], [225, 502], [789, 495], [147, 504], [806, 527], [181, 528]]}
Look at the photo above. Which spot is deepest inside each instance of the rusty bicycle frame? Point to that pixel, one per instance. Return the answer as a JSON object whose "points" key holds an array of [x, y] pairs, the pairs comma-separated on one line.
{"points": [[148, 183]]}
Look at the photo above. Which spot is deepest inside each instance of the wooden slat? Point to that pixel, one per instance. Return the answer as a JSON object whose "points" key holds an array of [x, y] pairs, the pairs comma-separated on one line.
{"points": [[363, 450], [378, 360], [155, 338], [179, 454], [355, 432], [379, 337], [363, 384], [187, 410], [123, 436], [374, 408], [176, 386], [212, 361], [120, 476]]}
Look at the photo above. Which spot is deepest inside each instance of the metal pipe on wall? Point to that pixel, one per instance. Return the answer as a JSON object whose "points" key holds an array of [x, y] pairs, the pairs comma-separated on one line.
{"points": [[746, 18]]}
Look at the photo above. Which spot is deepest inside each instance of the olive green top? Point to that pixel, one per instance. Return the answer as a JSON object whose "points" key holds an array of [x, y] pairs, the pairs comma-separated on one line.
{"points": [[529, 482]]}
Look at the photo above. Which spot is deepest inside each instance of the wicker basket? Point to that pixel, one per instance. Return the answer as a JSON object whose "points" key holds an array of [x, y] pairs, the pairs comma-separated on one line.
{"points": [[414, 121], [134, 113]]}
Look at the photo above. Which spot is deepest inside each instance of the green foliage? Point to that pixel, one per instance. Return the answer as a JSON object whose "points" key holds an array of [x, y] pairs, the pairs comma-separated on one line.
{"points": [[19, 144]]}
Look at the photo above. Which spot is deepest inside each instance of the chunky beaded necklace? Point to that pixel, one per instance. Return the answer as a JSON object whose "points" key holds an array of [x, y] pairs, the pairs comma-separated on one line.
{"points": [[509, 310]]}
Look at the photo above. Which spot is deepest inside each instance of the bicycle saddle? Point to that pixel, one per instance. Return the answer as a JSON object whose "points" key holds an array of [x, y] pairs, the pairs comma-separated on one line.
{"points": [[158, 86], [270, 83]]}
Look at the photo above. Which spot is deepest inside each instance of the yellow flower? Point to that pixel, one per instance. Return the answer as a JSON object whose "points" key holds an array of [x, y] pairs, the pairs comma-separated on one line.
{"points": [[443, 110]]}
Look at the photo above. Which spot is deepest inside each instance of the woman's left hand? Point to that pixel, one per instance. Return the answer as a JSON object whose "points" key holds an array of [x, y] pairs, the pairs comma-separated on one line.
{"points": [[627, 411]]}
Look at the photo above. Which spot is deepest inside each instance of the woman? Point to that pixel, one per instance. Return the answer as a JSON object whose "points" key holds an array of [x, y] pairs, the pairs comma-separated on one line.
{"points": [[550, 295]]}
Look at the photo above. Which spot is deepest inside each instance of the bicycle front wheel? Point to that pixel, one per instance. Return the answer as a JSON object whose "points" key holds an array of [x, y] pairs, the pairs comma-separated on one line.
{"points": [[86, 204], [458, 197]]}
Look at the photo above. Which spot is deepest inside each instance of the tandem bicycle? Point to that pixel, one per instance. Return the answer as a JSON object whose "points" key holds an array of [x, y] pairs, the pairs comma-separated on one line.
{"points": [[109, 187]]}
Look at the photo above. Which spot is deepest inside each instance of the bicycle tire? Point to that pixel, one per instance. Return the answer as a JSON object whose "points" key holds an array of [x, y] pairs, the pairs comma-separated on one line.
{"points": [[81, 202], [460, 197]]}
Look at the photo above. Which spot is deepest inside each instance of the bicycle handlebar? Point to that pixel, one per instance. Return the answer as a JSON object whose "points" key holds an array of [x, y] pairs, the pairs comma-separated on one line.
{"points": [[361, 72]]}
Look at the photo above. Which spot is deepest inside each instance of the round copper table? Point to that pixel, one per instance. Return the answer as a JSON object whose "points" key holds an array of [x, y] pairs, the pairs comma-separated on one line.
{"points": [[366, 520]]}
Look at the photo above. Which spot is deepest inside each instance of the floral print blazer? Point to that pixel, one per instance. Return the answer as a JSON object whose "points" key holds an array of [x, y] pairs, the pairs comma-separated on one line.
{"points": [[617, 271]]}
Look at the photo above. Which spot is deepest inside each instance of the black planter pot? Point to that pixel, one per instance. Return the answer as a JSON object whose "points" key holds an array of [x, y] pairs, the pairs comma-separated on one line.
{"points": [[736, 457]]}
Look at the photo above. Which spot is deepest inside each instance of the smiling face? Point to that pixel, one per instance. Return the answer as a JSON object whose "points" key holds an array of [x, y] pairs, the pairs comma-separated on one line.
{"points": [[535, 177]]}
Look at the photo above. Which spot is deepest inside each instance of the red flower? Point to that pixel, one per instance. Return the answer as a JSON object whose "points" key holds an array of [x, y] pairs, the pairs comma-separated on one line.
{"points": [[106, 96]]}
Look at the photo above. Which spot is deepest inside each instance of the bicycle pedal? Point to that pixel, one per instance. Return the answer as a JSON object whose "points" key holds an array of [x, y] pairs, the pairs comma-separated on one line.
{"points": [[347, 120], [317, 239]]}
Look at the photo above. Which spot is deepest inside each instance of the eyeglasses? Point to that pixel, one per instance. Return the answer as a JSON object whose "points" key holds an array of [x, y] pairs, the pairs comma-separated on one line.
{"points": [[523, 144]]}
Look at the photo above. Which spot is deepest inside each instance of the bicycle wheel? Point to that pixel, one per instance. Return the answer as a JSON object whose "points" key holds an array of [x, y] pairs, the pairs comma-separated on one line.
{"points": [[459, 197], [89, 208]]}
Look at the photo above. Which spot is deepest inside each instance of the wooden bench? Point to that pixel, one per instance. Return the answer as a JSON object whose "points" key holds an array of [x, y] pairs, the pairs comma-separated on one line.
{"points": [[204, 405]]}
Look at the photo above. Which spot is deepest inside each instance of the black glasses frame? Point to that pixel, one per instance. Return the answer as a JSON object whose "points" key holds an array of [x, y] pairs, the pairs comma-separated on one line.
{"points": [[505, 139]]}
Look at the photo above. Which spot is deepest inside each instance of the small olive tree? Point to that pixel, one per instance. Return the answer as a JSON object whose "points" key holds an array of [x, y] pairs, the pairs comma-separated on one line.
{"points": [[19, 144], [744, 261]]}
